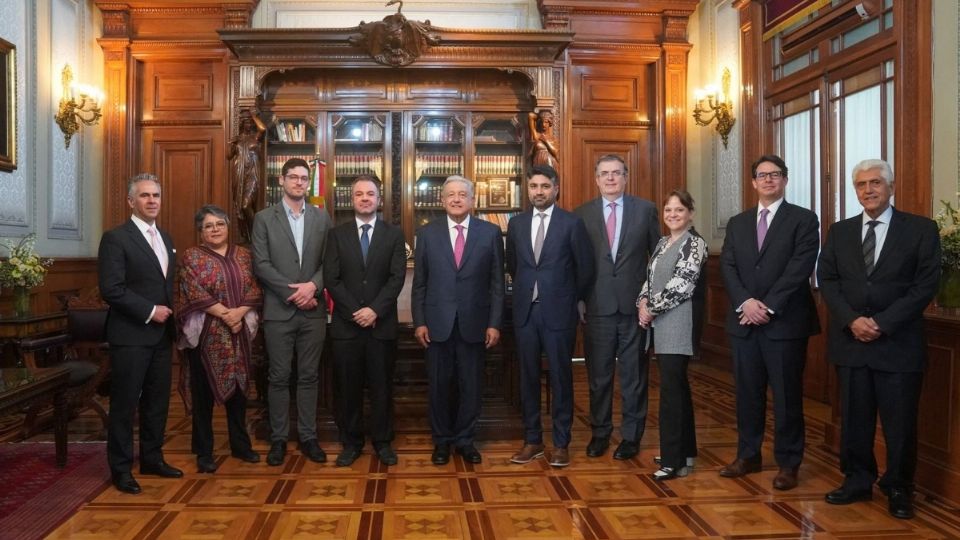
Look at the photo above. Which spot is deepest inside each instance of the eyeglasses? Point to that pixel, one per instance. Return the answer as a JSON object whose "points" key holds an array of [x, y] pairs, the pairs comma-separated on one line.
{"points": [[215, 225], [611, 174], [773, 175], [298, 179]]}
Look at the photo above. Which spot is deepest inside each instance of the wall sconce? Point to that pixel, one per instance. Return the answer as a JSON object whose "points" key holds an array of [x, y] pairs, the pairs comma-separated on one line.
{"points": [[79, 104], [717, 105]]}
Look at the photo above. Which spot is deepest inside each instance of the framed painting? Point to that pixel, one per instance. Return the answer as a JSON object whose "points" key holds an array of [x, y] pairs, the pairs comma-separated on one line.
{"points": [[499, 193], [8, 106]]}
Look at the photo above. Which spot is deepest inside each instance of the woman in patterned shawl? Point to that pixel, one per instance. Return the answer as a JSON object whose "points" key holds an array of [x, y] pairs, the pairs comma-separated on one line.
{"points": [[671, 306], [216, 307]]}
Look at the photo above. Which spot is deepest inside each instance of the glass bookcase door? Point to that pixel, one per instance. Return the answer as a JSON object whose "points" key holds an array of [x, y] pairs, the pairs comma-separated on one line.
{"points": [[358, 148], [439, 152], [287, 137], [498, 166]]}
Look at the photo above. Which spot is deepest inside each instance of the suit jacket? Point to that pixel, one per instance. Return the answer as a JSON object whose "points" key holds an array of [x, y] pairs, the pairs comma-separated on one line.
{"points": [[277, 264], [904, 280], [778, 274], [617, 283], [564, 274], [354, 285], [132, 283], [471, 295]]}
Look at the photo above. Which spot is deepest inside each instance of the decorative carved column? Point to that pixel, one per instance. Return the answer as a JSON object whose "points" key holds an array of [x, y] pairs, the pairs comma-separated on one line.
{"points": [[674, 110], [117, 135]]}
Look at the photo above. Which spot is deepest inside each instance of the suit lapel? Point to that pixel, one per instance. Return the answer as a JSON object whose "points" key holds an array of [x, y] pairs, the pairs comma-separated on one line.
{"points": [[138, 240], [471, 241], [893, 238], [378, 232], [442, 233], [629, 212], [526, 225], [280, 215], [775, 226]]}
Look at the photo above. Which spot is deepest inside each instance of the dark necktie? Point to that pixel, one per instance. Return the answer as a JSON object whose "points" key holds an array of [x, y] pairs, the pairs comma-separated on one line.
{"points": [[365, 241], [870, 246]]}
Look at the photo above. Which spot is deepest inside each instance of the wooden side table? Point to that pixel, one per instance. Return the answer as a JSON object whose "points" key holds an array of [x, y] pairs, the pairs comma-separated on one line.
{"points": [[24, 387], [13, 330]]}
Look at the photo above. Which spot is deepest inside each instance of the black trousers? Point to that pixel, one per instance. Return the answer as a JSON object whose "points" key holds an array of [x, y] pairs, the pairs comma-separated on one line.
{"points": [[203, 400], [896, 396], [455, 372], [358, 362], [139, 379], [757, 362], [678, 435]]}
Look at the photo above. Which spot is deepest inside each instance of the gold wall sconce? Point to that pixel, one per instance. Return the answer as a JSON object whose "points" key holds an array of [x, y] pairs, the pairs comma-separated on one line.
{"points": [[717, 105], [79, 104]]}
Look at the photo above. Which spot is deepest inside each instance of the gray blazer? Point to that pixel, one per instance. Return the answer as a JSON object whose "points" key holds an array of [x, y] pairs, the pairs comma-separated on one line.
{"points": [[276, 263], [677, 301], [617, 283]]}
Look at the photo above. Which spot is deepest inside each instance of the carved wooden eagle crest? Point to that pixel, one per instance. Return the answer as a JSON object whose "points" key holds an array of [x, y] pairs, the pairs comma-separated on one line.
{"points": [[395, 41]]}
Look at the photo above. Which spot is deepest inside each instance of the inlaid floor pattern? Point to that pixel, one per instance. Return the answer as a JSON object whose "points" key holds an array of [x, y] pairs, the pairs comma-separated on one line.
{"points": [[592, 498]]}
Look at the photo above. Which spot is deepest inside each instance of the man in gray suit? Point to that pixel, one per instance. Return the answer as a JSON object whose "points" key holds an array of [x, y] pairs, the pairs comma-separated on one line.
{"points": [[624, 230], [288, 248]]}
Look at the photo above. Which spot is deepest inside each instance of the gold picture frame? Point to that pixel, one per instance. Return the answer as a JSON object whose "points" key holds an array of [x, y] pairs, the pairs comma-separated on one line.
{"points": [[498, 193], [8, 106]]}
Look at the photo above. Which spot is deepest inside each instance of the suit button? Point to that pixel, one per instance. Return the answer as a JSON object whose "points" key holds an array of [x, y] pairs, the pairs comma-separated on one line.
{"points": [[757, 267], [364, 282], [869, 284]]}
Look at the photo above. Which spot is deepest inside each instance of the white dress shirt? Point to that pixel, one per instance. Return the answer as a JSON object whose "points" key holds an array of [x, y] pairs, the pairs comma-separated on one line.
{"points": [[879, 230], [535, 223]]}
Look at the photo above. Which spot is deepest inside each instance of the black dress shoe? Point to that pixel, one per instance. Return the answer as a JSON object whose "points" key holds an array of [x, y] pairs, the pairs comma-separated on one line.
{"points": [[247, 455], [901, 503], [161, 468], [206, 464], [126, 483], [386, 455], [626, 450], [845, 495], [441, 454], [313, 451], [597, 447], [470, 453], [347, 456], [278, 449]]}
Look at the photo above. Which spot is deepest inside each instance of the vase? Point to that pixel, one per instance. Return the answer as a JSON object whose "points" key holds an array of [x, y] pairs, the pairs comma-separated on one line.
{"points": [[949, 294], [21, 302]]}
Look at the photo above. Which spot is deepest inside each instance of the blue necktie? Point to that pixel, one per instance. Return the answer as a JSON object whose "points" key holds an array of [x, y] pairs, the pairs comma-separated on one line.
{"points": [[365, 241]]}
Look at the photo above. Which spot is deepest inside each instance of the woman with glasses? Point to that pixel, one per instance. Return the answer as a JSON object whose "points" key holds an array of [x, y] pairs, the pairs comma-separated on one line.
{"points": [[216, 306], [671, 306]]}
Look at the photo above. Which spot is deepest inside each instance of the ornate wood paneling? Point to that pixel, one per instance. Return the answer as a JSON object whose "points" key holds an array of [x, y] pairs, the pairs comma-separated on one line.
{"points": [[66, 278], [589, 144], [184, 160]]}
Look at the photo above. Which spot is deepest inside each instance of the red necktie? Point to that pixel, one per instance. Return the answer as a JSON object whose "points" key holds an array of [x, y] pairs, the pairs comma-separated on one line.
{"points": [[458, 245]]}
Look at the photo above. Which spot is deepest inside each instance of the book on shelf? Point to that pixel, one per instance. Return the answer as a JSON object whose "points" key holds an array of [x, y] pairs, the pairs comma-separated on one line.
{"points": [[367, 132], [354, 163], [438, 164], [437, 131], [499, 164], [291, 131], [500, 219]]}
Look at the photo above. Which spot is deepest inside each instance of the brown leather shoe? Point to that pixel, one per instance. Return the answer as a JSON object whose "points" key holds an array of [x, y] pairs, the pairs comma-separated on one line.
{"points": [[528, 453], [559, 457], [740, 467], [786, 478]]}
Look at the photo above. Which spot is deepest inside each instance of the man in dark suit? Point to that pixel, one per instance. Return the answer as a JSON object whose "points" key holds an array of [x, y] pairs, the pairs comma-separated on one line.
{"points": [[288, 243], [550, 258], [624, 230], [877, 272], [457, 304], [767, 259], [363, 270], [136, 266]]}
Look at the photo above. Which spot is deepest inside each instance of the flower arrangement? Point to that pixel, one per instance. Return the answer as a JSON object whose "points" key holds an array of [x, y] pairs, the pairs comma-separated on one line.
{"points": [[23, 267]]}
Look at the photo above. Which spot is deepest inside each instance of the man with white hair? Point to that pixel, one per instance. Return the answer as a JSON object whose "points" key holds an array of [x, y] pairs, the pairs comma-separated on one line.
{"points": [[877, 272]]}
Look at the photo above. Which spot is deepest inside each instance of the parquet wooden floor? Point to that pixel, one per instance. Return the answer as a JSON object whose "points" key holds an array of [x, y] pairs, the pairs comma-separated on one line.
{"points": [[591, 499]]}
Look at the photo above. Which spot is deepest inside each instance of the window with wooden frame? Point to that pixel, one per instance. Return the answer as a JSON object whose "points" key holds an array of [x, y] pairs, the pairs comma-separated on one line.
{"points": [[831, 105]]}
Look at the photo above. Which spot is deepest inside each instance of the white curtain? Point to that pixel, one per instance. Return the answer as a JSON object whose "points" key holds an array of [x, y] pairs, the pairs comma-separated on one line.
{"points": [[801, 151], [861, 121]]}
